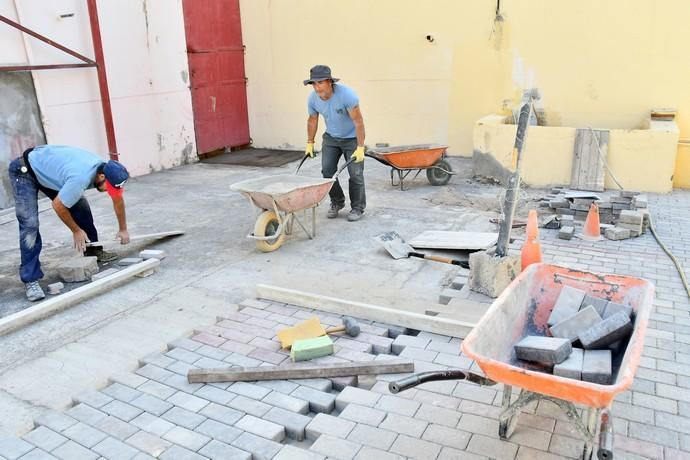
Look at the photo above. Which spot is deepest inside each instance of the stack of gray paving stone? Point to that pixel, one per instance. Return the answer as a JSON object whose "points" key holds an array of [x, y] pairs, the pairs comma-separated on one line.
{"points": [[599, 326]]}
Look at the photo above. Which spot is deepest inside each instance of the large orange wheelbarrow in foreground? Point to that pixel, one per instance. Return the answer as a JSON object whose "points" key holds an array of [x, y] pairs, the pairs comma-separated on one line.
{"points": [[280, 198], [405, 159], [523, 309]]}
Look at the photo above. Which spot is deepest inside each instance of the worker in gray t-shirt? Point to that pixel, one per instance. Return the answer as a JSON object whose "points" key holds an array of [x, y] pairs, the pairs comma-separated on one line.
{"points": [[344, 136]]}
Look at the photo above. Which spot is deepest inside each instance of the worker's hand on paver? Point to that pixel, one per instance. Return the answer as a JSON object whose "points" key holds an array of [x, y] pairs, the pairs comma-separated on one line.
{"points": [[309, 150], [358, 155], [80, 239], [123, 236]]}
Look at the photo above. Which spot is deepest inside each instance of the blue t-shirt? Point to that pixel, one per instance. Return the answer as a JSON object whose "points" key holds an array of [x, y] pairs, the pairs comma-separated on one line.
{"points": [[68, 170], [335, 110]]}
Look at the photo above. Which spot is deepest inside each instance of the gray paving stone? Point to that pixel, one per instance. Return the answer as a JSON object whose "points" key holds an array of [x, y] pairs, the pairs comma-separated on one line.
{"points": [[330, 425], [293, 423], [37, 454], [116, 428], [452, 360], [335, 448], [85, 435], [418, 354], [357, 396], [216, 449], [318, 384], [261, 449], [445, 436], [152, 424], [112, 448], [154, 373], [180, 354], [148, 443], [184, 343], [450, 347], [266, 344], [319, 401], [212, 353], [187, 401], [294, 453], [437, 399], [403, 341], [181, 368], [371, 436], [415, 448], [180, 453], [121, 410], [353, 345], [151, 404], [56, 421], [95, 399], [242, 361], [379, 344], [73, 451], [219, 431], [183, 417], [282, 386], [340, 383], [157, 359], [157, 389], [237, 347], [491, 447], [438, 415], [286, 402], [221, 413], [45, 438], [187, 438], [86, 414], [369, 453], [260, 427], [363, 414], [249, 390], [13, 448], [214, 394], [397, 405], [404, 425], [128, 379], [210, 363], [250, 406]]}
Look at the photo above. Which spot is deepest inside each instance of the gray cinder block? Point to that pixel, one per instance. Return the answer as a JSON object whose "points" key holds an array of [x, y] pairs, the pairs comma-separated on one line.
{"points": [[596, 366], [571, 367], [612, 308], [611, 329], [571, 327], [567, 304], [566, 233], [55, 288], [598, 303], [152, 253], [545, 350], [78, 269]]}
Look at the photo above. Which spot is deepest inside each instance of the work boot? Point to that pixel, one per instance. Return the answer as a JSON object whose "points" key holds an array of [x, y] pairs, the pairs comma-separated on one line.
{"points": [[333, 210], [34, 291], [355, 214], [101, 255]]}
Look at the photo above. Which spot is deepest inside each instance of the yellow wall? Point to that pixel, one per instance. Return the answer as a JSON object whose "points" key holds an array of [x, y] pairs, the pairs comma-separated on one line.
{"points": [[598, 64], [681, 178]]}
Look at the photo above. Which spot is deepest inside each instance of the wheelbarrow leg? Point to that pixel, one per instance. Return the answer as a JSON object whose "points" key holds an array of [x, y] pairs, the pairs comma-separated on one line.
{"points": [[511, 412], [592, 417]]}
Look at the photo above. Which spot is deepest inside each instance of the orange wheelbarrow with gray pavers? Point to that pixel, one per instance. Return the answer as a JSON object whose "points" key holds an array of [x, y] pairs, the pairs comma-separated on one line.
{"points": [[280, 198], [404, 159], [523, 309]]}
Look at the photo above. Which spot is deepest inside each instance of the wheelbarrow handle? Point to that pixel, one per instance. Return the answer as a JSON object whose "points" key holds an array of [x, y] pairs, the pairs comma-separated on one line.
{"points": [[304, 158], [340, 169], [445, 260], [432, 376]]}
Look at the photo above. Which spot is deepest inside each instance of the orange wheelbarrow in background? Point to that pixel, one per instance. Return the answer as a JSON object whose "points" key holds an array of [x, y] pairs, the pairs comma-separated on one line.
{"points": [[405, 159], [522, 310]]}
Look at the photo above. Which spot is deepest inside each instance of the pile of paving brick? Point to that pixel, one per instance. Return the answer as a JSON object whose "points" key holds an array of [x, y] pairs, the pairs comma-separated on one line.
{"points": [[588, 334], [623, 216]]}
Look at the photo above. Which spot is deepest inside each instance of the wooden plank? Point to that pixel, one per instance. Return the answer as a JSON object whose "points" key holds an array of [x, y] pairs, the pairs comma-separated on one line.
{"points": [[68, 299], [149, 236], [432, 239], [418, 321], [298, 371], [588, 171]]}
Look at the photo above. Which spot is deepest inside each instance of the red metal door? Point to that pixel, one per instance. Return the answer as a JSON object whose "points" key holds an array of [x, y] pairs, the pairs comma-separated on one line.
{"points": [[216, 67]]}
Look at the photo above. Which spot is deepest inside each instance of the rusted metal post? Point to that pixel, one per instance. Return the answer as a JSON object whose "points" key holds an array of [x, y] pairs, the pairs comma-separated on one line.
{"points": [[102, 79]]}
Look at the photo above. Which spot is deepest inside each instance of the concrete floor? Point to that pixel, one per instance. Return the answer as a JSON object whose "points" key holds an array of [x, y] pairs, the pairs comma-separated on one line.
{"points": [[212, 267]]}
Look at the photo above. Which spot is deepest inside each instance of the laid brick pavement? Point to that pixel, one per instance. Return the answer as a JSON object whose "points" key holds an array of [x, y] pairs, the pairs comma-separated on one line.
{"points": [[155, 413]]}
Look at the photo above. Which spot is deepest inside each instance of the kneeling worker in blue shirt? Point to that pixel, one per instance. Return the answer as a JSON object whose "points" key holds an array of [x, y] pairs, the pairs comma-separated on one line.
{"points": [[63, 173]]}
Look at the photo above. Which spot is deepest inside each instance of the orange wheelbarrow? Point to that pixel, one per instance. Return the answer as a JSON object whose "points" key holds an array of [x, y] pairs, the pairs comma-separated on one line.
{"points": [[405, 159], [523, 309]]}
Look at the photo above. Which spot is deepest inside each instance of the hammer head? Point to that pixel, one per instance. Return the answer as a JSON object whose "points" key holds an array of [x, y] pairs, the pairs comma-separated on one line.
{"points": [[351, 326]]}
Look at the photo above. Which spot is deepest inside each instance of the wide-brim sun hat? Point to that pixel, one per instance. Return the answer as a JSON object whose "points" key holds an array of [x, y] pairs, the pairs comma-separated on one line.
{"points": [[319, 73]]}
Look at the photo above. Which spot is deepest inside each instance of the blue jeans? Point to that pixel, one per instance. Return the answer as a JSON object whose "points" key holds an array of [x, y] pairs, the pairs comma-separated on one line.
{"points": [[331, 150], [25, 188]]}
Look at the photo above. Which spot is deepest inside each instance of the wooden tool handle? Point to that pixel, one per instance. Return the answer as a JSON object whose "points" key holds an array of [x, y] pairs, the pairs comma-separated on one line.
{"points": [[334, 329], [445, 260]]}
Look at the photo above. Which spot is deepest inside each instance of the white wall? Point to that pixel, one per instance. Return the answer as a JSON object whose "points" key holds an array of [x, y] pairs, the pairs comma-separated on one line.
{"points": [[146, 62]]}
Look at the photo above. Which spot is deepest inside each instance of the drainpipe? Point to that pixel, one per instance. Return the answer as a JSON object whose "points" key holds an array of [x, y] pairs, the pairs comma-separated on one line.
{"points": [[102, 79]]}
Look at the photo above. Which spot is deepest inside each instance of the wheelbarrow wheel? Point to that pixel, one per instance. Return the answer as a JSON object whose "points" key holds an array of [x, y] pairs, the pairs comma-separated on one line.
{"points": [[437, 175], [267, 225]]}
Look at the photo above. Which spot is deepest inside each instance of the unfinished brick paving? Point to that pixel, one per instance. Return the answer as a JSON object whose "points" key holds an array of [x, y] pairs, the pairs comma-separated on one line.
{"points": [[154, 413]]}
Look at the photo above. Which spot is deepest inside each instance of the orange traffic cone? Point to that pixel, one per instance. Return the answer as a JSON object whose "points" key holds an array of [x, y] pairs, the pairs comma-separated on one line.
{"points": [[531, 250], [592, 229]]}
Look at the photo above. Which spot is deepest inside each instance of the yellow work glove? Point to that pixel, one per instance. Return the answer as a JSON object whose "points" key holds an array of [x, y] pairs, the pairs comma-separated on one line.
{"points": [[309, 151], [359, 154]]}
